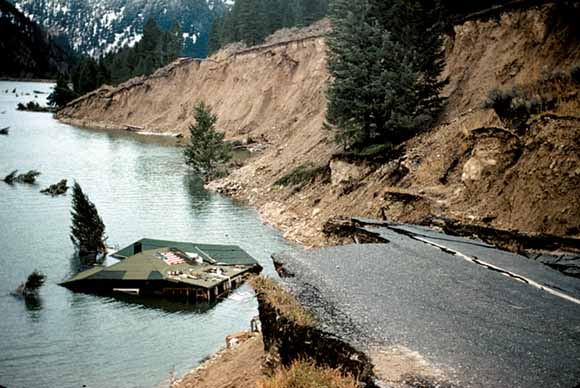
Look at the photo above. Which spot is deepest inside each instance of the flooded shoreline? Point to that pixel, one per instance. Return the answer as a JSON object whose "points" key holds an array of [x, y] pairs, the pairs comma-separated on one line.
{"points": [[141, 188]]}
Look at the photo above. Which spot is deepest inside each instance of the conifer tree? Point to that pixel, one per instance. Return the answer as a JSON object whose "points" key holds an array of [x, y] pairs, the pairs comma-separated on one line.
{"points": [[385, 64], [61, 94], [216, 35], [418, 26], [251, 21], [87, 229], [206, 149]]}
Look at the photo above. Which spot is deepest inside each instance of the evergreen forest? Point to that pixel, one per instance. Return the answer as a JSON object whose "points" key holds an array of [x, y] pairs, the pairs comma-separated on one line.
{"points": [[156, 49], [251, 21], [27, 50], [385, 57]]}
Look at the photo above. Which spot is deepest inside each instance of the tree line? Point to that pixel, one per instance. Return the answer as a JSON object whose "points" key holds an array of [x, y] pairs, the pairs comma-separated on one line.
{"points": [[156, 49], [251, 21]]}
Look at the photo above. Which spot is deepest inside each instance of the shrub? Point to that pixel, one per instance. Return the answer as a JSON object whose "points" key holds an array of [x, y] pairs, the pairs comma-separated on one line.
{"points": [[302, 175], [305, 374], [501, 99]]}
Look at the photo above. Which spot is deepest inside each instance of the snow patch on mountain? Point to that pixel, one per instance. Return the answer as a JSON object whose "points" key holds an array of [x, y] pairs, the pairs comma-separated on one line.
{"points": [[97, 27]]}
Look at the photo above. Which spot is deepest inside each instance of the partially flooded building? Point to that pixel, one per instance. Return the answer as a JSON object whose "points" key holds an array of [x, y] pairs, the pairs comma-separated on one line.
{"points": [[183, 270]]}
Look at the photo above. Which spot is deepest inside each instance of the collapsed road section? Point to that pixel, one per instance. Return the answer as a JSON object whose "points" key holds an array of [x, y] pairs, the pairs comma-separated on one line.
{"points": [[443, 308]]}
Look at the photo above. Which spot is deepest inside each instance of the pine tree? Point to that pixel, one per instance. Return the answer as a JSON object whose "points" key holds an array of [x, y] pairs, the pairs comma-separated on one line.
{"points": [[175, 44], [352, 44], [87, 229], [252, 21], [418, 26], [216, 35], [61, 94], [385, 57], [206, 149]]}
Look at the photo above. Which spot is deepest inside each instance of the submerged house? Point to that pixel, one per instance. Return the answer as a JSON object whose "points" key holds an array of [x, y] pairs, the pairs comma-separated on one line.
{"points": [[196, 272]]}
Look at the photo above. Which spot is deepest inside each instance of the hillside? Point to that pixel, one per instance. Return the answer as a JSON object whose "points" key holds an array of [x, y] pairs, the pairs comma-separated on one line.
{"points": [[473, 166], [97, 27], [28, 51]]}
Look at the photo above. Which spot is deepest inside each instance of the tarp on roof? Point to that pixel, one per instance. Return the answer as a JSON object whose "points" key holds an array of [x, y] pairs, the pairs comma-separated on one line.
{"points": [[224, 254]]}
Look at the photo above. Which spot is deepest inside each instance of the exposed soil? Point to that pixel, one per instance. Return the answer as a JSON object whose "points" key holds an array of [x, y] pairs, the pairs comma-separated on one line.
{"points": [[236, 367], [471, 166]]}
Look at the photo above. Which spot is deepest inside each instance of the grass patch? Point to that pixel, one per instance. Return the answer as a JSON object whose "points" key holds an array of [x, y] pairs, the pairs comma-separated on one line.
{"points": [[305, 374], [302, 175], [285, 303]]}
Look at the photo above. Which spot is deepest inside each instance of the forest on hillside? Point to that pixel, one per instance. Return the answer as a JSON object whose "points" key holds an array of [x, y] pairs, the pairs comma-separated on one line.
{"points": [[27, 50], [251, 21], [156, 49], [414, 24]]}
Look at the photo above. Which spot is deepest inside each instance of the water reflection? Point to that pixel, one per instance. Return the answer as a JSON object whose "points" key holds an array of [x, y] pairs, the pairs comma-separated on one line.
{"points": [[115, 136], [141, 188], [161, 304], [198, 196], [33, 303]]}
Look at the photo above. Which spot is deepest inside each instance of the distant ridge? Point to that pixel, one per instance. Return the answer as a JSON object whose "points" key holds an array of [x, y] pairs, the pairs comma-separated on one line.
{"points": [[28, 51]]}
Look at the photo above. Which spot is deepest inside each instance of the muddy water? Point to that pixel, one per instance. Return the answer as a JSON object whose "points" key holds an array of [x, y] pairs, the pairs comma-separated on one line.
{"points": [[141, 189]]}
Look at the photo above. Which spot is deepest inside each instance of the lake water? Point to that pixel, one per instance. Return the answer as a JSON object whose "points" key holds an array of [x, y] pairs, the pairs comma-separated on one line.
{"points": [[141, 188]]}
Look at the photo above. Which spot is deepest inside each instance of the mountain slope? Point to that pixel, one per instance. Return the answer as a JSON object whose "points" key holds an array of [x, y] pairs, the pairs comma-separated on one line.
{"points": [[96, 27], [27, 50], [472, 166]]}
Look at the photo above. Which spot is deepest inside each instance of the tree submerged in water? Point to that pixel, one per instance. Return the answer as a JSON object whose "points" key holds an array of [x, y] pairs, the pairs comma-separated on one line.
{"points": [[206, 150], [29, 177], [87, 229], [29, 289], [59, 188]]}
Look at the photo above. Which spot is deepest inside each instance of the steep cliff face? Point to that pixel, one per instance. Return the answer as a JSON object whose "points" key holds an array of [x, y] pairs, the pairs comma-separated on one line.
{"points": [[266, 91], [472, 166]]}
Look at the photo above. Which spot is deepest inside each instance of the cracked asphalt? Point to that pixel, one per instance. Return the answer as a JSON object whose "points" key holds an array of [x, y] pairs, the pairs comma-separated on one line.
{"points": [[479, 326]]}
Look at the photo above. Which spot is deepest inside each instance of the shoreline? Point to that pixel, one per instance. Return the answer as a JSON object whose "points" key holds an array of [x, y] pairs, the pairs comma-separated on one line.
{"points": [[40, 80], [103, 126], [278, 220]]}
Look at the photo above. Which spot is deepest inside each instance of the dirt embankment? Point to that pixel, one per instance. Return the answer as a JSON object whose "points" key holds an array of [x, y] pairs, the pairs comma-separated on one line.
{"points": [[235, 367], [472, 166]]}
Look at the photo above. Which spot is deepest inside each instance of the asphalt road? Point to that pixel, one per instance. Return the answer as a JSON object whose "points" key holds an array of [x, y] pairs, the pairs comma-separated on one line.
{"points": [[482, 326]]}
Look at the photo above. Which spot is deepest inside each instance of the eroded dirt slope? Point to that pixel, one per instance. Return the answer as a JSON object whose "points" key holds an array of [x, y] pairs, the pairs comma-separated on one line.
{"points": [[472, 166]]}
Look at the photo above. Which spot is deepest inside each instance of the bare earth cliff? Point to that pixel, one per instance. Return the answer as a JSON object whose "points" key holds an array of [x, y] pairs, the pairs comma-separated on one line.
{"points": [[471, 166]]}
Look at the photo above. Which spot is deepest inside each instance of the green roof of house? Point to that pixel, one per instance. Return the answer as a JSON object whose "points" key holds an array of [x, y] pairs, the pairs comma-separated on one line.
{"points": [[215, 254], [150, 265]]}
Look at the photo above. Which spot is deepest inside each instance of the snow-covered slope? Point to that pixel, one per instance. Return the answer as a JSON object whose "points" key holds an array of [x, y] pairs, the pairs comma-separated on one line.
{"points": [[97, 27]]}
